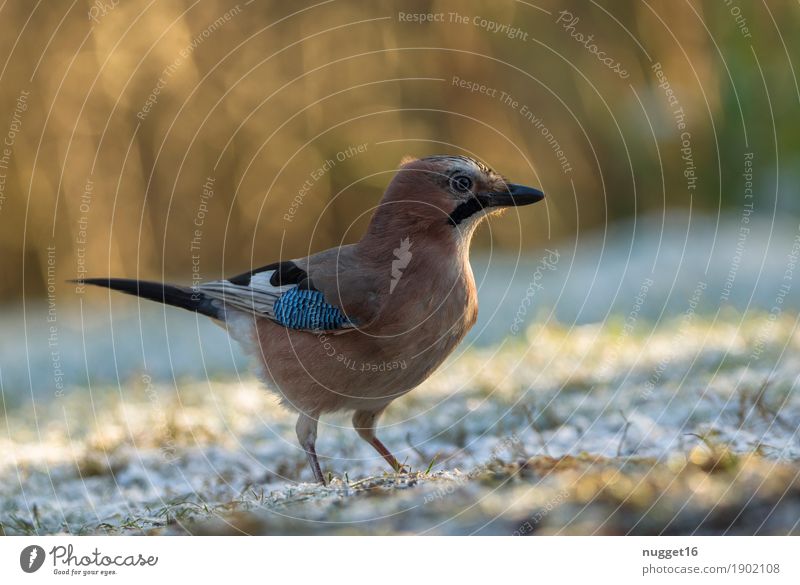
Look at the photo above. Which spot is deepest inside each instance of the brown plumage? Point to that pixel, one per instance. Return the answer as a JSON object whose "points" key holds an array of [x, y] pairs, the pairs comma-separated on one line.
{"points": [[402, 299]]}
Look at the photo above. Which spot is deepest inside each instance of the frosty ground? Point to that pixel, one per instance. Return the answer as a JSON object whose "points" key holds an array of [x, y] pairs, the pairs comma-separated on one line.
{"points": [[580, 430]]}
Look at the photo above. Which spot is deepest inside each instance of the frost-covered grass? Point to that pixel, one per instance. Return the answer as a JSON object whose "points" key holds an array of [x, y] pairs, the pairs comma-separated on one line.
{"points": [[671, 428]]}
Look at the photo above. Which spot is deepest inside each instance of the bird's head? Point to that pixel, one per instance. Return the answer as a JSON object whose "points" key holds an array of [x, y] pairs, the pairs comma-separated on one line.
{"points": [[448, 195]]}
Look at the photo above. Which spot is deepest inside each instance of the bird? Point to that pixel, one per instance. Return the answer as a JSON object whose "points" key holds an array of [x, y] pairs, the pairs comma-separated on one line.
{"points": [[357, 326]]}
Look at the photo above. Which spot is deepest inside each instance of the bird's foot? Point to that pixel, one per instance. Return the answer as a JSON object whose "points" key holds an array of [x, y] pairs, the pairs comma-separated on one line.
{"points": [[402, 468]]}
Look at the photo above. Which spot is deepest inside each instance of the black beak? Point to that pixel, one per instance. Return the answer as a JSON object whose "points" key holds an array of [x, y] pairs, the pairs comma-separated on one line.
{"points": [[511, 196], [515, 195]]}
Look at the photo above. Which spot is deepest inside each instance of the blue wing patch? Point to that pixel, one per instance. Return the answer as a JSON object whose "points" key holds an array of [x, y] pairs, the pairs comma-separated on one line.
{"points": [[306, 309]]}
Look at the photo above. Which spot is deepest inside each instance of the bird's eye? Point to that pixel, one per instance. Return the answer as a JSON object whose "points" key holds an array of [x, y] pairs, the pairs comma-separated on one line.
{"points": [[461, 183]]}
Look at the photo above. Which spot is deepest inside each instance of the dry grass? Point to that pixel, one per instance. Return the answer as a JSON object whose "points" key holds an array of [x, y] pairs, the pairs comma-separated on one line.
{"points": [[561, 440]]}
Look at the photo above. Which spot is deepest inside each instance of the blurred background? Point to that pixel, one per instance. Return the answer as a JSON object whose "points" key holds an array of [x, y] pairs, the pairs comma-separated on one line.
{"points": [[184, 140], [130, 107]]}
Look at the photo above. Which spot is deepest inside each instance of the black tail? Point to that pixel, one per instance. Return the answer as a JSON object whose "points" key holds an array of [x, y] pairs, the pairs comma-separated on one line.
{"points": [[169, 294]]}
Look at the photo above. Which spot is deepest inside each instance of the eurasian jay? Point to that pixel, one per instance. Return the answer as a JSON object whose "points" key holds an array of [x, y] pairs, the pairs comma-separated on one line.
{"points": [[355, 327]]}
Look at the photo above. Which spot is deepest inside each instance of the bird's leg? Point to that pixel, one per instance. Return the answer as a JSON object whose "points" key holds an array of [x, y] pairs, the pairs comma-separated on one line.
{"points": [[364, 424], [307, 435]]}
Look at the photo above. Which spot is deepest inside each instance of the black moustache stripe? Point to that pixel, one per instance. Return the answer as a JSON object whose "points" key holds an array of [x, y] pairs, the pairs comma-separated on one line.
{"points": [[464, 210]]}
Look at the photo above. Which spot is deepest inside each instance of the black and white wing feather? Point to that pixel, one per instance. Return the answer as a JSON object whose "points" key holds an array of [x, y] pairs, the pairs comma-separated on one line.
{"points": [[281, 292]]}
